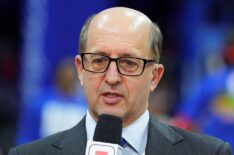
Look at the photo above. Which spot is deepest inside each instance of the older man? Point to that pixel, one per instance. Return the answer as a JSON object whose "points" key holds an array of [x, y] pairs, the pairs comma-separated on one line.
{"points": [[118, 68]]}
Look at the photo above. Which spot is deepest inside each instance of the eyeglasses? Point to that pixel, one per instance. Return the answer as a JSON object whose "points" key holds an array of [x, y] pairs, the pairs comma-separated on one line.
{"points": [[129, 66]]}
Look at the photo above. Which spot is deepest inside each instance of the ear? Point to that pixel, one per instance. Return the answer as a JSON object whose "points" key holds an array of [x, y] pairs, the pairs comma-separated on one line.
{"points": [[79, 68], [157, 73]]}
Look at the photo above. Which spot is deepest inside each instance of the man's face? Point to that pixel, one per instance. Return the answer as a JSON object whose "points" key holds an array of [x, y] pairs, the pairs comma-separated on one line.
{"points": [[113, 93]]}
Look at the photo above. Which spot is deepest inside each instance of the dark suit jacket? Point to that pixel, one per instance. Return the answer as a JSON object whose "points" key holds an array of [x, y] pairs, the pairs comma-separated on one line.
{"points": [[162, 140]]}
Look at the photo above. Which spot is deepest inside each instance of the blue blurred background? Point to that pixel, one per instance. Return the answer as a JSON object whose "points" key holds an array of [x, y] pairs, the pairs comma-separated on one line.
{"points": [[39, 90]]}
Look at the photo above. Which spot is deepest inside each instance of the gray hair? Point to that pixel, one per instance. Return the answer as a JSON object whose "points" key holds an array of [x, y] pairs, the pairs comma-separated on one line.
{"points": [[84, 34], [155, 39]]}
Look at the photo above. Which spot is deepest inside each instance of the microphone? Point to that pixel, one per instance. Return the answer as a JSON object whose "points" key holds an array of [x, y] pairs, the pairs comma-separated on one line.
{"points": [[106, 137]]}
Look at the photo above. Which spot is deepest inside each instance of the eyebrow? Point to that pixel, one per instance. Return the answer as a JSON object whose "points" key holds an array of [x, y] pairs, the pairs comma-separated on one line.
{"points": [[122, 55], [130, 55], [99, 52]]}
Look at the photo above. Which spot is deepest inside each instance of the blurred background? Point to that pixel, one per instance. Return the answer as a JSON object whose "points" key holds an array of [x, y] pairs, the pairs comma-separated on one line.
{"points": [[40, 93]]}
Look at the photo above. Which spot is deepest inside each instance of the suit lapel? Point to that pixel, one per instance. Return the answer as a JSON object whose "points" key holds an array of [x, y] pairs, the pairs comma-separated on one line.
{"points": [[161, 138], [73, 141]]}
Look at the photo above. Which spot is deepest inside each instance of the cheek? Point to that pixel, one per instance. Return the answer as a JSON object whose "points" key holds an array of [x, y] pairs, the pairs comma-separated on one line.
{"points": [[91, 85], [139, 90]]}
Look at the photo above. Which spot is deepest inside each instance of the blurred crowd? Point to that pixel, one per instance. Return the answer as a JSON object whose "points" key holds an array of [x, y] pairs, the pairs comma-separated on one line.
{"points": [[9, 65], [197, 91]]}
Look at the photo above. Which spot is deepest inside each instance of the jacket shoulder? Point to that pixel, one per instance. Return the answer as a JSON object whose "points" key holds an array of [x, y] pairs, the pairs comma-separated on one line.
{"points": [[62, 143], [38, 146], [180, 141], [203, 142]]}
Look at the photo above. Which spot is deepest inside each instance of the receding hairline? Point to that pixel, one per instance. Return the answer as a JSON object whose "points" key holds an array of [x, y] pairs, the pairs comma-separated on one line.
{"points": [[119, 10], [155, 36]]}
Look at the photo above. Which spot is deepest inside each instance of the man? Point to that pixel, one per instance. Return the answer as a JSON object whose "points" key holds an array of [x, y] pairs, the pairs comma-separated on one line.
{"points": [[118, 68]]}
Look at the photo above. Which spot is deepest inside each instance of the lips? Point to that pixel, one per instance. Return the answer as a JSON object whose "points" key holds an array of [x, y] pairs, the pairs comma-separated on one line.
{"points": [[111, 98]]}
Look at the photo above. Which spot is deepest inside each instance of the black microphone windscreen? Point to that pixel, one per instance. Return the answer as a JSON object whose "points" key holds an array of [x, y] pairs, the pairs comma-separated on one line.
{"points": [[108, 129]]}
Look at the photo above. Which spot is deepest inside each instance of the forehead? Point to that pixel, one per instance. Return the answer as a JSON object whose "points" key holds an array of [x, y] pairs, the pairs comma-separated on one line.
{"points": [[126, 35]]}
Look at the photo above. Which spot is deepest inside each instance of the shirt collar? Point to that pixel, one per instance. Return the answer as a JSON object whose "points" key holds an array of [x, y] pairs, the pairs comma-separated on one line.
{"points": [[90, 125], [135, 133]]}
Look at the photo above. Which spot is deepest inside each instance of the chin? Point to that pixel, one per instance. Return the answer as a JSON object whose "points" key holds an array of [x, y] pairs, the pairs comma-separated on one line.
{"points": [[118, 113]]}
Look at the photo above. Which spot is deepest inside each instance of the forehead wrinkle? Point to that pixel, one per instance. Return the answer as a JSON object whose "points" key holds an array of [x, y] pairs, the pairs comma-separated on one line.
{"points": [[125, 47]]}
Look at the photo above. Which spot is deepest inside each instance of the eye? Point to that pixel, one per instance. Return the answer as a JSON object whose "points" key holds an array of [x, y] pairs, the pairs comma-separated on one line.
{"points": [[99, 60], [127, 62]]}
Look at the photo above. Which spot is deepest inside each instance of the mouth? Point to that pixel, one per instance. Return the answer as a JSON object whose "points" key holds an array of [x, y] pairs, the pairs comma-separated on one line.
{"points": [[111, 98]]}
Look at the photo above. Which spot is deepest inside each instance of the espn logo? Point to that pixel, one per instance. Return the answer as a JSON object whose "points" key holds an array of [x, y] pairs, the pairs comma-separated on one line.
{"points": [[101, 153], [100, 148]]}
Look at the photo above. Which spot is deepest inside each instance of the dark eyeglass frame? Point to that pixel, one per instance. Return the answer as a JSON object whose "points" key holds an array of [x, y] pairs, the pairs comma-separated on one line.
{"points": [[145, 62]]}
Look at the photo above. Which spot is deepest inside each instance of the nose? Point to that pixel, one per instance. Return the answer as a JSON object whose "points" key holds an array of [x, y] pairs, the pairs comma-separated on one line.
{"points": [[112, 75]]}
